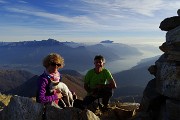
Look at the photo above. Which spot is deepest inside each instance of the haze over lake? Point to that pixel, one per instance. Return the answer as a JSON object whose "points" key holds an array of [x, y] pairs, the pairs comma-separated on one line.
{"points": [[130, 61]]}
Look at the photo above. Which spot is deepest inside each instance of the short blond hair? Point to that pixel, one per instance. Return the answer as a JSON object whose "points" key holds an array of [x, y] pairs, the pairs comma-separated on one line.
{"points": [[53, 58]]}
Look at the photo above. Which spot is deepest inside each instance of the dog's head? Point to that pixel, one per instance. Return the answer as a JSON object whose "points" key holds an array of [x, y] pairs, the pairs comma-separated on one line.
{"points": [[53, 85]]}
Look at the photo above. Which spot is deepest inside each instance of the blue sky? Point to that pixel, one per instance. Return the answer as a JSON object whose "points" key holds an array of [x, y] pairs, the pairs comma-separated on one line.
{"points": [[123, 21]]}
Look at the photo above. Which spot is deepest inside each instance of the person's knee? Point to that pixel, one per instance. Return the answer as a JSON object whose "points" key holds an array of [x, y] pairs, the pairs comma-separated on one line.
{"points": [[108, 92], [88, 100]]}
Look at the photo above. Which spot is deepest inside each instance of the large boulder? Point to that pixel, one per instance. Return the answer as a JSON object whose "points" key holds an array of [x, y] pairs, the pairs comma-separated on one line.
{"points": [[22, 108], [173, 36], [69, 113], [168, 84]]}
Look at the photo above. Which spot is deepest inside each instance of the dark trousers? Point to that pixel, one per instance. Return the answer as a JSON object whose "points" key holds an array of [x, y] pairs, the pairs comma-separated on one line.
{"points": [[104, 93]]}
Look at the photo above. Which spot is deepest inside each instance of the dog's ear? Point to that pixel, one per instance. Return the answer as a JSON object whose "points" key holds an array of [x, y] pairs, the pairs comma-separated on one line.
{"points": [[56, 83]]}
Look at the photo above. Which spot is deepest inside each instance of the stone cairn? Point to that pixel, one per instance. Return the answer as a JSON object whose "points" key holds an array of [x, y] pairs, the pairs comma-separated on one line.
{"points": [[161, 97]]}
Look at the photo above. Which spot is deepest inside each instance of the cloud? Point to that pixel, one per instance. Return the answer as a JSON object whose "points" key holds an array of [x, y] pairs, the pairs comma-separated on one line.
{"points": [[82, 23], [80, 20], [83, 17], [143, 7]]}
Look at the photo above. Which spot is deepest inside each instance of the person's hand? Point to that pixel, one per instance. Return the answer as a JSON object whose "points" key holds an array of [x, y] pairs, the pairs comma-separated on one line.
{"points": [[74, 95], [100, 86], [59, 95]]}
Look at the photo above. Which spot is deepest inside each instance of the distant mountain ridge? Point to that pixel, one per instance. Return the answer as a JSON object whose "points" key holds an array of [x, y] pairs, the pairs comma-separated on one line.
{"points": [[10, 79], [28, 55], [34, 43]]}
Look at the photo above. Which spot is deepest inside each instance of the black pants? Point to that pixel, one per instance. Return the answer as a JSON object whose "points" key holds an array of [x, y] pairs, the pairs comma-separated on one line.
{"points": [[104, 93]]}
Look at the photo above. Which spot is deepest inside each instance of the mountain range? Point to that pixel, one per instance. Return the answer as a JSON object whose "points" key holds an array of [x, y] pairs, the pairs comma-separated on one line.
{"points": [[28, 55]]}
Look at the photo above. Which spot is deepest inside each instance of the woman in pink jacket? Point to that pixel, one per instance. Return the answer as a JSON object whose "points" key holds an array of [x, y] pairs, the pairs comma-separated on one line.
{"points": [[52, 63]]}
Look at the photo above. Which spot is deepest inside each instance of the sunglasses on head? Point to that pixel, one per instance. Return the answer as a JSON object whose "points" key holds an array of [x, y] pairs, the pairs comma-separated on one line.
{"points": [[55, 64]]}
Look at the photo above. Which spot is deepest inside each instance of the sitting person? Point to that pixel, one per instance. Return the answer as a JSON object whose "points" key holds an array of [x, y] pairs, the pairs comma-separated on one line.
{"points": [[53, 62], [98, 83]]}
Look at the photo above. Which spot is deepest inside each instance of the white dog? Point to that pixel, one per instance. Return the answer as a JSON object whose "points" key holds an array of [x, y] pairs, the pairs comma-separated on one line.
{"points": [[67, 95]]}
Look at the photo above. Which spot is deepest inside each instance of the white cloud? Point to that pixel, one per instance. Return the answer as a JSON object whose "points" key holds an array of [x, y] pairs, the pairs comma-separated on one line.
{"points": [[87, 23], [80, 20], [144, 7]]}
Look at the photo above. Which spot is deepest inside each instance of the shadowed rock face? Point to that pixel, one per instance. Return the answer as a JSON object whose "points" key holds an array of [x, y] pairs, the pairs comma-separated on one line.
{"points": [[21, 108], [69, 113], [161, 98]]}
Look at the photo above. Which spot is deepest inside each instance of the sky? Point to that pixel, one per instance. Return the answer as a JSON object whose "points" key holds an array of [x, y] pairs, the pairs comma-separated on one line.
{"points": [[122, 21]]}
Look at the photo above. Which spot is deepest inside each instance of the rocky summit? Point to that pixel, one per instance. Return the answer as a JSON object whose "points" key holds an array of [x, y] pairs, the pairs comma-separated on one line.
{"points": [[24, 108]]}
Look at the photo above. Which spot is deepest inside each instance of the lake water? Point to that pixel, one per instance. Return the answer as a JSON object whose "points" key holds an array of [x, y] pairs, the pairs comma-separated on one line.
{"points": [[129, 62], [120, 65]]}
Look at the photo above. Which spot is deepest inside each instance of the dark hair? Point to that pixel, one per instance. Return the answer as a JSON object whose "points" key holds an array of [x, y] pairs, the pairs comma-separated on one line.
{"points": [[99, 57]]}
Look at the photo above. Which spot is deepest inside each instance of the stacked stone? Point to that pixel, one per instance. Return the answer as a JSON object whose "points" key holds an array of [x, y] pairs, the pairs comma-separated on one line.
{"points": [[168, 67], [161, 97], [168, 72]]}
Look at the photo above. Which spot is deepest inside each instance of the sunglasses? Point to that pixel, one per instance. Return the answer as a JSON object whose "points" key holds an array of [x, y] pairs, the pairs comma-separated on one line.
{"points": [[55, 64]]}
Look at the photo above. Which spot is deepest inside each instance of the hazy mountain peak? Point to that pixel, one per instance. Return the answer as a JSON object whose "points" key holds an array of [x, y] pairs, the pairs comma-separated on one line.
{"points": [[107, 41], [48, 42]]}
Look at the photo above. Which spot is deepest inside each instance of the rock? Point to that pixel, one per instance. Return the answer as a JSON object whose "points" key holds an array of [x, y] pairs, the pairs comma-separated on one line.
{"points": [[161, 97], [178, 12], [173, 56], [173, 36], [173, 109], [162, 58], [88, 115], [123, 114], [152, 69], [151, 101], [162, 113], [167, 82], [170, 23], [69, 113], [22, 108], [110, 115], [165, 48]]}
